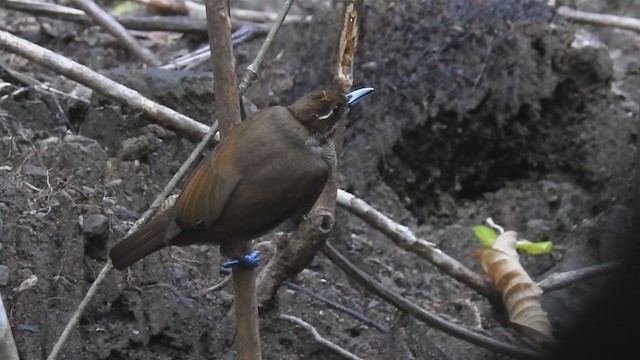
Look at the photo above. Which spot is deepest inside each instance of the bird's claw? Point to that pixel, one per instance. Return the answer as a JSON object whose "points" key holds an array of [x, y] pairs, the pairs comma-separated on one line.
{"points": [[249, 261]]}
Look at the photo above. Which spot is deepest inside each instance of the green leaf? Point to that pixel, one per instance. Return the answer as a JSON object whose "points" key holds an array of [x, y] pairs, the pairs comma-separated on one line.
{"points": [[486, 235], [538, 248]]}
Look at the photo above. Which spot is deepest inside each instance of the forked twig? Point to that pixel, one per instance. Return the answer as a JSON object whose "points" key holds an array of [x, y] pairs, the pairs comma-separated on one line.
{"points": [[317, 337], [302, 247]]}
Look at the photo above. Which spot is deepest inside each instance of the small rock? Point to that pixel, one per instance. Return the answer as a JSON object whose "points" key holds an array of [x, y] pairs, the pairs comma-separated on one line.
{"points": [[96, 226], [126, 214], [4, 275], [28, 328], [33, 170], [159, 131], [137, 147], [113, 183], [28, 283]]}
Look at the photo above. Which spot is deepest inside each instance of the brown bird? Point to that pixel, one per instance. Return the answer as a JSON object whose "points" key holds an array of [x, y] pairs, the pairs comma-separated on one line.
{"points": [[271, 167]]}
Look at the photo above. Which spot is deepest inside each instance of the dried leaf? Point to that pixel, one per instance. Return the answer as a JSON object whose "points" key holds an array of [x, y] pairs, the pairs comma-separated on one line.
{"points": [[521, 295]]}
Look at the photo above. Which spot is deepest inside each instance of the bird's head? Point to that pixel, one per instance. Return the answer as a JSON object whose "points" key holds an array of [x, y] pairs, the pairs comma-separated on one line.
{"points": [[321, 110]]}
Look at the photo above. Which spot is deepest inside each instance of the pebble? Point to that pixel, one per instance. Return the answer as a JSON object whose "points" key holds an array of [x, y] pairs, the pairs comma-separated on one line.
{"points": [[96, 226]]}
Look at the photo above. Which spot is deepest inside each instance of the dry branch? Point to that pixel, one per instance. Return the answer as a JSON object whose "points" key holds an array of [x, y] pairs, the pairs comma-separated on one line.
{"points": [[294, 254], [584, 17], [118, 31], [564, 279], [227, 99], [406, 239], [317, 337], [424, 315], [82, 74]]}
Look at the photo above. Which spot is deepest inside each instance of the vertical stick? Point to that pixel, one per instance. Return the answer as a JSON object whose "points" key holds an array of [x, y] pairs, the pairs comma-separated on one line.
{"points": [[228, 110], [8, 349]]}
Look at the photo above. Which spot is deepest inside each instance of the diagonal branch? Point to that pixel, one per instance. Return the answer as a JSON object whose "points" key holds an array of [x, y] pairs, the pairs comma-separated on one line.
{"points": [[425, 315], [85, 76], [118, 31], [406, 239]]}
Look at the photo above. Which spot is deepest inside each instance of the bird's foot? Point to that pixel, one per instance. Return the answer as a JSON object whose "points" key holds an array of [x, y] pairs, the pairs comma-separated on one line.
{"points": [[249, 261]]}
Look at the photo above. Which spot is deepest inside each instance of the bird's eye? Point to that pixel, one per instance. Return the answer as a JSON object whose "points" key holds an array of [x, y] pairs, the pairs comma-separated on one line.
{"points": [[336, 110]]}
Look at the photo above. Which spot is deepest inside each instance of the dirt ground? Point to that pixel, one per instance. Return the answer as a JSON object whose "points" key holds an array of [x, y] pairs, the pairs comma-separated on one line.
{"points": [[482, 109]]}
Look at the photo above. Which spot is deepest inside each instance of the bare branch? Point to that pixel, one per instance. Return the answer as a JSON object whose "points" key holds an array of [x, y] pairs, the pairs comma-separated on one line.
{"points": [[228, 110], [425, 315], [82, 74], [118, 31], [331, 346], [564, 279], [584, 17], [406, 239], [224, 65], [251, 74]]}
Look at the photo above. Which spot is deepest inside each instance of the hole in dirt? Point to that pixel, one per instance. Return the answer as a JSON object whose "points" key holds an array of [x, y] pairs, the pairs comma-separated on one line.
{"points": [[354, 332], [468, 155]]}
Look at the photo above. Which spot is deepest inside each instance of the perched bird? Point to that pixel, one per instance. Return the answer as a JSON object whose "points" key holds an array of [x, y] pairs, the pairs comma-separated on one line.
{"points": [[271, 167]]}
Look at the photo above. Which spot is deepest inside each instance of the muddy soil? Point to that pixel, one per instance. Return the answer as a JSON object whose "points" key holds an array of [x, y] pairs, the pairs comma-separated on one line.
{"points": [[482, 109]]}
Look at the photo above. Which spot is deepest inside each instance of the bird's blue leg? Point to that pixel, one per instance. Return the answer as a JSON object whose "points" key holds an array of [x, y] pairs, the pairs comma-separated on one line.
{"points": [[249, 261]]}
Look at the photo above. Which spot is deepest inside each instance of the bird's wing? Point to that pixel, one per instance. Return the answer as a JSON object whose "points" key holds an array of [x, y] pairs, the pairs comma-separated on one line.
{"points": [[208, 190]]}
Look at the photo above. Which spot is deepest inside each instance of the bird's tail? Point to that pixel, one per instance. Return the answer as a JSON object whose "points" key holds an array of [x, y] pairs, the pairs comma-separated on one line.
{"points": [[151, 237]]}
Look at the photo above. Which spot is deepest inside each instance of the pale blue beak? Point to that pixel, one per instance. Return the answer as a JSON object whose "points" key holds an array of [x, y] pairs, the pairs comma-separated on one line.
{"points": [[355, 96]]}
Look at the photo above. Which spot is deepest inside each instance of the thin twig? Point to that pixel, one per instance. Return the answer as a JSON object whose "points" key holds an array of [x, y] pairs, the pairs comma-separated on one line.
{"points": [[251, 74], [317, 337], [334, 305], [62, 340], [118, 31], [584, 17], [85, 76], [564, 279], [422, 314], [265, 16], [222, 283], [8, 350], [156, 203], [406, 239]]}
